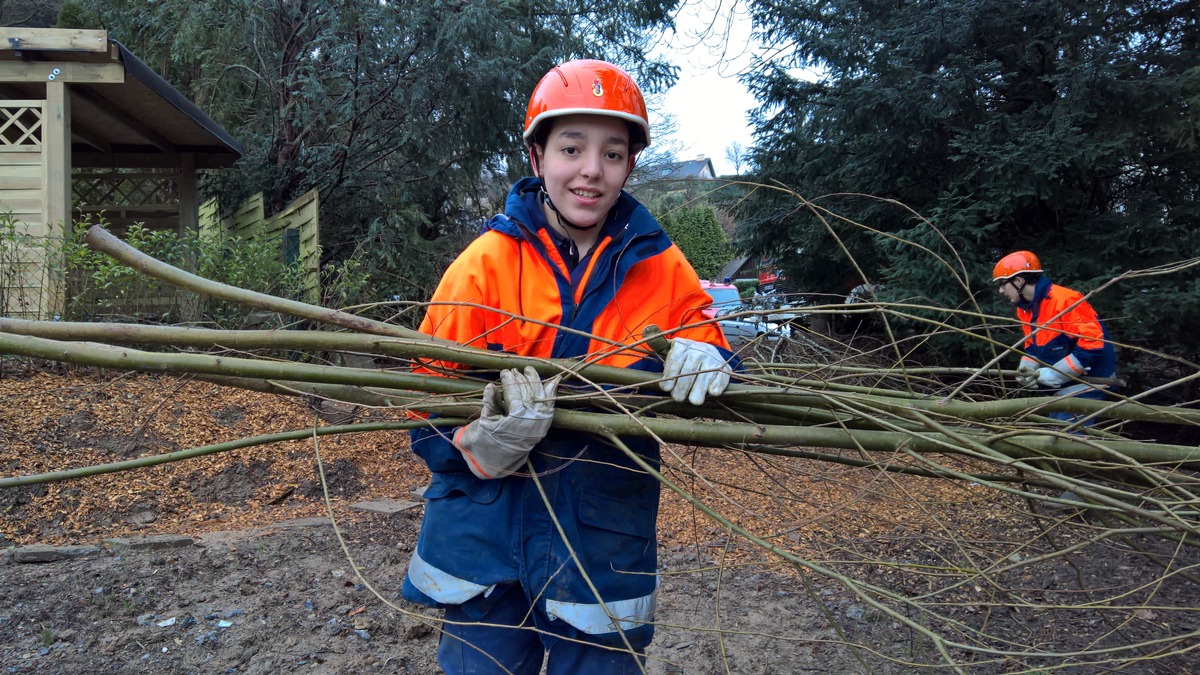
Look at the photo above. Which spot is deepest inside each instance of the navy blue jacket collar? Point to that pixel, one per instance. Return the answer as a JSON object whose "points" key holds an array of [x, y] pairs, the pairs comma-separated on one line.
{"points": [[1040, 291], [628, 218]]}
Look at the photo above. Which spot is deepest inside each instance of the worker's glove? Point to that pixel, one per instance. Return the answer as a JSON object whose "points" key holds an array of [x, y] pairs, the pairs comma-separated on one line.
{"points": [[694, 370], [1027, 372], [497, 443], [1060, 373]]}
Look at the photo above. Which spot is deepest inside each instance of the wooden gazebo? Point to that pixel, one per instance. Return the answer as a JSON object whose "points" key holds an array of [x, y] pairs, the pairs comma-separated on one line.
{"points": [[86, 127]]}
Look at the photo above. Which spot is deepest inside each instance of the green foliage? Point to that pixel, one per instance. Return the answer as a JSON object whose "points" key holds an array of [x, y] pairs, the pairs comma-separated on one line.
{"points": [[110, 283], [31, 13], [345, 283], [17, 249], [252, 264], [1063, 128], [100, 286], [406, 116], [698, 234]]}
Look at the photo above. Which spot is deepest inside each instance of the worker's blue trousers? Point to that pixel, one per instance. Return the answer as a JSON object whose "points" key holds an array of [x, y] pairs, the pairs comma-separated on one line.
{"points": [[1074, 392], [511, 637]]}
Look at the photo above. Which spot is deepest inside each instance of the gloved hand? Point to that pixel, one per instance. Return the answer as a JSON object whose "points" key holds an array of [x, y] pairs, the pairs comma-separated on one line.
{"points": [[693, 370], [1027, 372], [496, 444], [1060, 373], [1050, 378]]}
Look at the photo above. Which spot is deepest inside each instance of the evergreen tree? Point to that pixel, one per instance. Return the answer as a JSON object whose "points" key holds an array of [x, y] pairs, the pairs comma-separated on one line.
{"points": [[1064, 127], [406, 116], [696, 232]]}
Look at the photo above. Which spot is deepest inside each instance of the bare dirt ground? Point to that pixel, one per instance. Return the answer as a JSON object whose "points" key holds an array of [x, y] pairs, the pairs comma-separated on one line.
{"points": [[230, 563]]}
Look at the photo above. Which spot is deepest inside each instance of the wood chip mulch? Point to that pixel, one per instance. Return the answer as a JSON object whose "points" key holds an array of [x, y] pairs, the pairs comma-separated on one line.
{"points": [[52, 420]]}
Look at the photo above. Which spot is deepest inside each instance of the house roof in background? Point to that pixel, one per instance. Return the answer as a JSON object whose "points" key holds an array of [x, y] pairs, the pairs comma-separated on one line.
{"points": [[701, 167], [123, 114], [731, 268]]}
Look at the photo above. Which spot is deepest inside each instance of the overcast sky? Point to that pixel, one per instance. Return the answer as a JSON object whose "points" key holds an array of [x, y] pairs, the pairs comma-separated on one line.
{"points": [[710, 106]]}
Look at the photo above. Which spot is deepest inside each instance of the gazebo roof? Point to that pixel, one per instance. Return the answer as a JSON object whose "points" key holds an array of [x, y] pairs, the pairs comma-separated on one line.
{"points": [[123, 114]]}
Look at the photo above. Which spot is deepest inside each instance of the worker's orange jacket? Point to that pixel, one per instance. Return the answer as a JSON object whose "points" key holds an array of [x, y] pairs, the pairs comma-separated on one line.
{"points": [[1059, 324], [512, 290]]}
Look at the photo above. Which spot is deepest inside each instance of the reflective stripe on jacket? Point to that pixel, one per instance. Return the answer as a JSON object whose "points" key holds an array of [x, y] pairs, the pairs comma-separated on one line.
{"points": [[478, 534], [1068, 328]]}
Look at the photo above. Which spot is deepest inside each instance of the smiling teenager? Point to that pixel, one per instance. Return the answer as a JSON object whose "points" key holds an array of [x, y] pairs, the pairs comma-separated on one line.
{"points": [[540, 544]]}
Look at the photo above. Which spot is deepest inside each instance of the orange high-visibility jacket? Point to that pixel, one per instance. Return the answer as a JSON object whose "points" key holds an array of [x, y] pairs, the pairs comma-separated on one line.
{"points": [[511, 291], [634, 277], [1068, 327]]}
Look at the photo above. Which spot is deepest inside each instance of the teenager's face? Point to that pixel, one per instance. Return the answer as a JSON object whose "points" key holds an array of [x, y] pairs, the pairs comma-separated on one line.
{"points": [[1008, 289], [584, 164]]}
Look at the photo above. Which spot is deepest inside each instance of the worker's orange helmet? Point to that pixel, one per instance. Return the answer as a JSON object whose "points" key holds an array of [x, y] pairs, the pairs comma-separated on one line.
{"points": [[1014, 264], [589, 87]]}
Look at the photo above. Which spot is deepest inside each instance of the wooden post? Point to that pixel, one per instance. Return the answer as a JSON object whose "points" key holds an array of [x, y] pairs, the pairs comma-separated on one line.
{"points": [[189, 224], [56, 193], [189, 202]]}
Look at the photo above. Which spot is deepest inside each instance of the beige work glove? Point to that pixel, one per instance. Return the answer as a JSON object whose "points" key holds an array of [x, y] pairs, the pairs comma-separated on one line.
{"points": [[694, 370], [1027, 372], [496, 444]]}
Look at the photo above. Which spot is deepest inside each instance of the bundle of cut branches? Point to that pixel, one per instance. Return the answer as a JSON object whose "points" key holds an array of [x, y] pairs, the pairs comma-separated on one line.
{"points": [[968, 425]]}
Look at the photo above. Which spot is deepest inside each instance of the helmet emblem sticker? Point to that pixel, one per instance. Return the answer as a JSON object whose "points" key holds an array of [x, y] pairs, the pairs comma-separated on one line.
{"points": [[597, 87]]}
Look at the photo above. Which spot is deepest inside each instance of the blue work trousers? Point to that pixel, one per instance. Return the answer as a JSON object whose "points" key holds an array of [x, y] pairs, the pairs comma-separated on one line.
{"points": [[1075, 392], [512, 638]]}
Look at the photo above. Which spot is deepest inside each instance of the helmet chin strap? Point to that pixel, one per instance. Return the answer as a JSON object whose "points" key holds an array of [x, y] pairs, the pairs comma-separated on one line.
{"points": [[561, 220]]}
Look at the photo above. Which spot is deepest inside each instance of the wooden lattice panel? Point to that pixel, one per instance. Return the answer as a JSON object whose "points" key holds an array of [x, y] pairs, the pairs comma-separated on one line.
{"points": [[20, 125], [126, 189]]}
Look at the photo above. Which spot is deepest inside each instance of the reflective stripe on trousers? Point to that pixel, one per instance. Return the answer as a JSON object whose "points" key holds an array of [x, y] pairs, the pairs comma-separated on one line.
{"points": [[591, 618], [440, 584], [598, 619]]}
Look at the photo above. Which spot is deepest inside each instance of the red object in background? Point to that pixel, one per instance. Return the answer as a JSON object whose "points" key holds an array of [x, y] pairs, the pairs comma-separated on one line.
{"points": [[768, 272], [723, 296]]}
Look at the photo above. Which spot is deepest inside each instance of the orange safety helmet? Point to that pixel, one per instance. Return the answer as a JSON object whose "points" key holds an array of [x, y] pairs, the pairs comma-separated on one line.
{"points": [[1014, 264], [587, 86]]}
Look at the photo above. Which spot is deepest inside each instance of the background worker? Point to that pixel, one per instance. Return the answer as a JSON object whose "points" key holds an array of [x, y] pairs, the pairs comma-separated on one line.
{"points": [[561, 568], [1064, 337]]}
